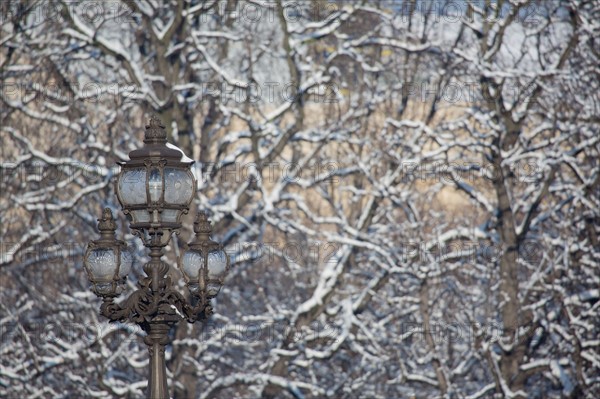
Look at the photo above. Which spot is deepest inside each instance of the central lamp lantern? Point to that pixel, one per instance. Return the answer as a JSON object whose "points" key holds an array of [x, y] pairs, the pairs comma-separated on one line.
{"points": [[155, 187]]}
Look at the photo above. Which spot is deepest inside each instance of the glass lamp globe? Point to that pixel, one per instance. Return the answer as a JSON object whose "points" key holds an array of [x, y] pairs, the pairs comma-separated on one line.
{"points": [[156, 186], [205, 264], [107, 260]]}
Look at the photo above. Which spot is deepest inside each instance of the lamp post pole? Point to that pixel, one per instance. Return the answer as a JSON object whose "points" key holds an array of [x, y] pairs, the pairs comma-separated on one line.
{"points": [[155, 188]]}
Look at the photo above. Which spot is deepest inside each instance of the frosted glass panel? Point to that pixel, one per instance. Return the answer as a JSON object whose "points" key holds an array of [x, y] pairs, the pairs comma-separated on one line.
{"points": [[170, 215], [102, 263], [140, 216], [126, 262], [179, 186], [192, 262], [194, 288], [132, 186], [212, 289], [155, 185], [217, 264]]}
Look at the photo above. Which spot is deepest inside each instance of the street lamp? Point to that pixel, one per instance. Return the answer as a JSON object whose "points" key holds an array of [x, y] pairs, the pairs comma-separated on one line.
{"points": [[155, 187]]}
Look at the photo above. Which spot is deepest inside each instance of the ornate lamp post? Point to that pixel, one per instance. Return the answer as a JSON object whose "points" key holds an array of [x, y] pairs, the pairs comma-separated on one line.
{"points": [[155, 187]]}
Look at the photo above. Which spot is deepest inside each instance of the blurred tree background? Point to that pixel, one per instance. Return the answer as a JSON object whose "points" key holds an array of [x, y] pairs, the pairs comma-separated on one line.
{"points": [[409, 191]]}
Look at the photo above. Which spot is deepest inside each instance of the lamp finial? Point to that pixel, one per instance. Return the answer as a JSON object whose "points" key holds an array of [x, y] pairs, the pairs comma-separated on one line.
{"points": [[155, 131], [107, 222], [202, 224]]}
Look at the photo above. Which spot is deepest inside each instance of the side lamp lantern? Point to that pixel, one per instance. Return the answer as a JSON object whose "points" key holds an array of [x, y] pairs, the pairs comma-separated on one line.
{"points": [[205, 263], [107, 260]]}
